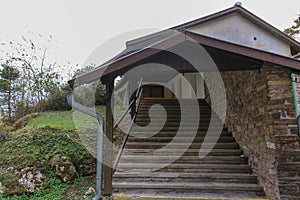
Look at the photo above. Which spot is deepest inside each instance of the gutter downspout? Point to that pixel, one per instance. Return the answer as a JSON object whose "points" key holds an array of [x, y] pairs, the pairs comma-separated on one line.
{"points": [[297, 56], [99, 117], [296, 101], [295, 95]]}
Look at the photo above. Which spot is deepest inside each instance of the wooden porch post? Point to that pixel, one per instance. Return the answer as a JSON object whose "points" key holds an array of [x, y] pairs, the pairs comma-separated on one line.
{"points": [[108, 152]]}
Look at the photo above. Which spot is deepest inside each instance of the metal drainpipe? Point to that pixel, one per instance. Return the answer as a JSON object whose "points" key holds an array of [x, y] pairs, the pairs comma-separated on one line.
{"points": [[296, 101], [99, 117]]}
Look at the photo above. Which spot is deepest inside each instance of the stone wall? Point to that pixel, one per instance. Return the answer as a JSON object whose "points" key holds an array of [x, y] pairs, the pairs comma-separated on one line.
{"points": [[260, 113], [288, 171], [288, 166]]}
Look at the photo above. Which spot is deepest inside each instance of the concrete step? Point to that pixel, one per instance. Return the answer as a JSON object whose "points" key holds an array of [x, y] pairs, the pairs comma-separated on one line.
{"points": [[187, 168], [155, 119], [182, 196], [174, 116], [185, 177], [175, 119], [182, 187], [181, 139], [176, 124], [174, 109], [181, 134], [172, 102], [177, 114], [173, 145], [157, 161], [175, 105], [174, 129], [188, 152], [183, 159]]}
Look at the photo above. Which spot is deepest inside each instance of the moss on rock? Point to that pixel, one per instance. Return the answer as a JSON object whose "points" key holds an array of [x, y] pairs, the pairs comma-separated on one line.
{"points": [[34, 149], [31, 179], [64, 169]]}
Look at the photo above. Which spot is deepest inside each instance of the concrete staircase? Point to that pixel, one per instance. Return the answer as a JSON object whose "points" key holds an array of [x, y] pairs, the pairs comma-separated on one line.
{"points": [[143, 169]]}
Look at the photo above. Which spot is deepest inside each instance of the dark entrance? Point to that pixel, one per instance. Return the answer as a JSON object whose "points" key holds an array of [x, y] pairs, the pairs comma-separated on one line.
{"points": [[153, 91]]}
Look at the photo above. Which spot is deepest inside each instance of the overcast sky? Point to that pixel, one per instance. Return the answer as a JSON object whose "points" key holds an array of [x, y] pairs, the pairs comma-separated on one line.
{"points": [[81, 26]]}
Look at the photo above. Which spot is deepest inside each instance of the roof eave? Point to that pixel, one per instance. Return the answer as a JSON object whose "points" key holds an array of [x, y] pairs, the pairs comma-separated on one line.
{"points": [[295, 45]]}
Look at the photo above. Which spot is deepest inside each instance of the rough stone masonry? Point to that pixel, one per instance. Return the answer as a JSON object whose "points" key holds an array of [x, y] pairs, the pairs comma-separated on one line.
{"points": [[261, 115]]}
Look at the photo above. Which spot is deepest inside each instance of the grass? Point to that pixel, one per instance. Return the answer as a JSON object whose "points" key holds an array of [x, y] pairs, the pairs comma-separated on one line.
{"points": [[80, 187], [69, 120], [62, 120], [45, 135]]}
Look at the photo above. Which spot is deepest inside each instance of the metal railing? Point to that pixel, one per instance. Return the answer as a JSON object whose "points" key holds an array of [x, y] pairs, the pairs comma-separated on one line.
{"points": [[133, 106]]}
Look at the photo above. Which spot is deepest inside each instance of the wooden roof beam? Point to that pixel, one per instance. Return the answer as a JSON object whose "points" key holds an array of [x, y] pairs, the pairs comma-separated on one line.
{"points": [[245, 51]]}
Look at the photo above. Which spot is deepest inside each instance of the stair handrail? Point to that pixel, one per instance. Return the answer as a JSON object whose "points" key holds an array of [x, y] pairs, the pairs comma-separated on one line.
{"points": [[135, 102], [132, 102], [123, 115]]}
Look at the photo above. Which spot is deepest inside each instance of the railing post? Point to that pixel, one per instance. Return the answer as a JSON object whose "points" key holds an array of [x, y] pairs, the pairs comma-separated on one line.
{"points": [[107, 169], [135, 104], [137, 95]]}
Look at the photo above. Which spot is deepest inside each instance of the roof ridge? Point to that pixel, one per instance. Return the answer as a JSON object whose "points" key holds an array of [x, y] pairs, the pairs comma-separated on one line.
{"points": [[236, 8]]}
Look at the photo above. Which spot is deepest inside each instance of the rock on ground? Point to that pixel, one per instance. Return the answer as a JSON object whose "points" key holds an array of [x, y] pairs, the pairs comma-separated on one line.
{"points": [[31, 179], [64, 169]]}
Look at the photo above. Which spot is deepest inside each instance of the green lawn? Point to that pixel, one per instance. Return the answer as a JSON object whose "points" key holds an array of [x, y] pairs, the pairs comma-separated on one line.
{"points": [[69, 120], [63, 120], [54, 119]]}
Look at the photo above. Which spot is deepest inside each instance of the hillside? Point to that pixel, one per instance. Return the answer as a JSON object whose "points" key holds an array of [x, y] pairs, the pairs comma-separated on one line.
{"points": [[45, 158]]}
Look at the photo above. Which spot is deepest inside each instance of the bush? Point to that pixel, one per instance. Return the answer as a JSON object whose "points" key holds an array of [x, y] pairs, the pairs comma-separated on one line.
{"points": [[3, 136], [22, 122], [22, 110], [57, 101]]}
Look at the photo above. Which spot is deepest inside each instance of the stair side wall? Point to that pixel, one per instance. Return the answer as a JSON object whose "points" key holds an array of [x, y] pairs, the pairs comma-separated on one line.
{"points": [[288, 171], [260, 113]]}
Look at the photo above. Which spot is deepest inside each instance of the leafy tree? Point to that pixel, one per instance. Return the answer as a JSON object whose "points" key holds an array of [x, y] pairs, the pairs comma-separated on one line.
{"points": [[39, 75], [57, 101], [84, 92], [9, 88], [294, 30]]}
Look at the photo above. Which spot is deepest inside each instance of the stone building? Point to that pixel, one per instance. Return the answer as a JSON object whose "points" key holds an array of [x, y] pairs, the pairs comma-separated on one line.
{"points": [[261, 76]]}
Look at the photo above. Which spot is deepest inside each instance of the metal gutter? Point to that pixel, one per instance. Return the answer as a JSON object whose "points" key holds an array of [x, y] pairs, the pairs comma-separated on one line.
{"points": [[295, 94], [99, 117]]}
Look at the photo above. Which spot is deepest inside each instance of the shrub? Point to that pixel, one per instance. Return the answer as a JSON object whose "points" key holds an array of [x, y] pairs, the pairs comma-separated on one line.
{"points": [[56, 101]]}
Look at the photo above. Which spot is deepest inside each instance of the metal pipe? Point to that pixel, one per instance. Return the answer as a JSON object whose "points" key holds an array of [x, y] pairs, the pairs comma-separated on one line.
{"points": [[295, 94], [296, 101], [99, 117]]}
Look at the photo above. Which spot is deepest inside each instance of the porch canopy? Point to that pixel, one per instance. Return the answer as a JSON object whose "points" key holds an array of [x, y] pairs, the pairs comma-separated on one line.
{"points": [[225, 35], [227, 57]]}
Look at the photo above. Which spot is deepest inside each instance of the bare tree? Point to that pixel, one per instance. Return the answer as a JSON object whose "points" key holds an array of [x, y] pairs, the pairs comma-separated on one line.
{"points": [[38, 74]]}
